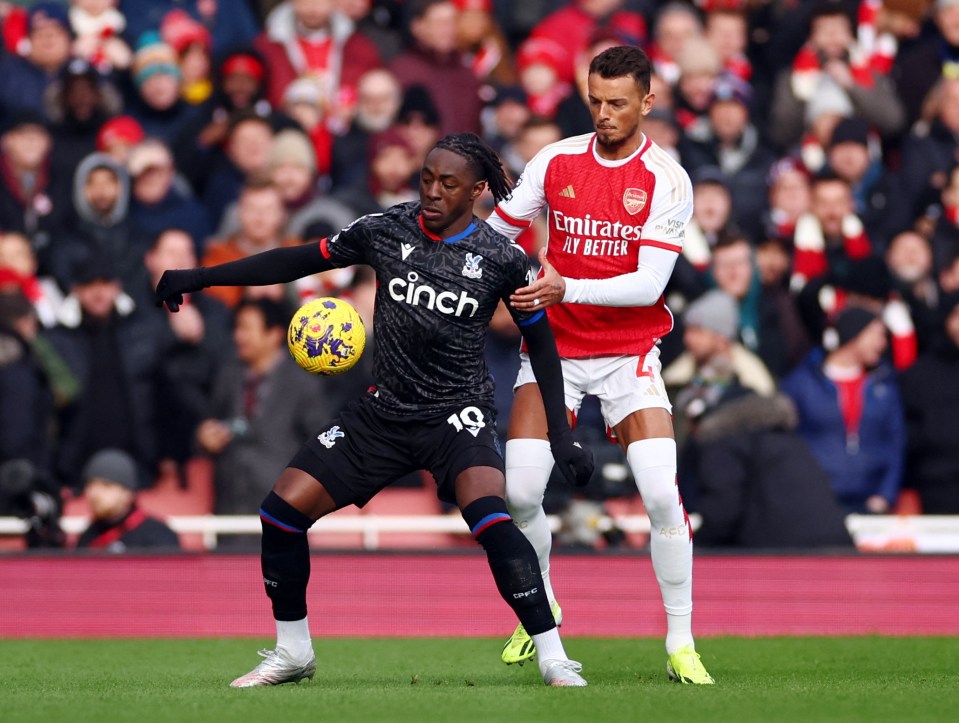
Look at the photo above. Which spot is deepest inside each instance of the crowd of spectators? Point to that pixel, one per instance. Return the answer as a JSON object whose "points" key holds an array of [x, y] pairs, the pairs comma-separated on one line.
{"points": [[821, 136]]}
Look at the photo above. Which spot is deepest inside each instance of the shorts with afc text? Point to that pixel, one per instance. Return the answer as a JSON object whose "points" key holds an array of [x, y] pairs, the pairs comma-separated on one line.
{"points": [[622, 384], [363, 451]]}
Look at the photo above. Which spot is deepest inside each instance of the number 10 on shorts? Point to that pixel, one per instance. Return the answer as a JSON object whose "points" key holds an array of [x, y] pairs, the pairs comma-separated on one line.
{"points": [[469, 418]]}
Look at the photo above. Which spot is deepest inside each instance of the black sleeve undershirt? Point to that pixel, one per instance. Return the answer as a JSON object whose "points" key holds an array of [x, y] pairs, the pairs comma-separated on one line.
{"points": [[541, 346], [277, 266]]}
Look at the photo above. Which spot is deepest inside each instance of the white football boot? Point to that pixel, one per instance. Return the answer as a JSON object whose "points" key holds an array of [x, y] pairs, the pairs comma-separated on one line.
{"points": [[276, 669]]}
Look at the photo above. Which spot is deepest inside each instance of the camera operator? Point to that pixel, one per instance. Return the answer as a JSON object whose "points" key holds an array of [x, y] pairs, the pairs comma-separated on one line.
{"points": [[26, 414], [28, 493]]}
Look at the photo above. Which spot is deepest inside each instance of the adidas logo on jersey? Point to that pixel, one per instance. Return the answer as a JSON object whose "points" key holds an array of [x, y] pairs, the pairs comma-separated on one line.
{"points": [[568, 192]]}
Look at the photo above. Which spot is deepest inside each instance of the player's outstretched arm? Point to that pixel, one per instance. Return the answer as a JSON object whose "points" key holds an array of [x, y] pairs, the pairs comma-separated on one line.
{"points": [[573, 461], [277, 266], [642, 287]]}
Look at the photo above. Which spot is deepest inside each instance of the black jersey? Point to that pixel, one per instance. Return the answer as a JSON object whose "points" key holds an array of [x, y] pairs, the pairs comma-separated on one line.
{"points": [[434, 300]]}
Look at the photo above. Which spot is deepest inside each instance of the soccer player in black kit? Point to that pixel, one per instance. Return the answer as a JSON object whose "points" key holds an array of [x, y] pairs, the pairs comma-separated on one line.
{"points": [[440, 274]]}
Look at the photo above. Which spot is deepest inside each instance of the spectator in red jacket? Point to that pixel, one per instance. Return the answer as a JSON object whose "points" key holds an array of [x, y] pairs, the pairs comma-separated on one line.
{"points": [[311, 38], [436, 63]]}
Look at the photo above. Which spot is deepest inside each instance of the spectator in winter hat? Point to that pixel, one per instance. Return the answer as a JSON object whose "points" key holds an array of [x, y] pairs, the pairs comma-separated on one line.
{"points": [[157, 78], [118, 135], [699, 70], [850, 411], [111, 482], [789, 195], [192, 44], [158, 202], [304, 102], [713, 351], [732, 143], [418, 121], [539, 63], [25, 77], [855, 156]]}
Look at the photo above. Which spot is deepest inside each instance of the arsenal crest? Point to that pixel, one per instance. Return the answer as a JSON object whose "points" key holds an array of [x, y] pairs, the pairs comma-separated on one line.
{"points": [[634, 199]]}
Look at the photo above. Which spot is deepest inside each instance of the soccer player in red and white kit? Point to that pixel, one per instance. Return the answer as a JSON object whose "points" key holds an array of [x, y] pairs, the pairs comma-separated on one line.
{"points": [[617, 208]]}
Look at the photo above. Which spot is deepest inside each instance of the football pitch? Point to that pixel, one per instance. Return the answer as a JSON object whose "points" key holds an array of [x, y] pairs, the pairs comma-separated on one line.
{"points": [[442, 679]]}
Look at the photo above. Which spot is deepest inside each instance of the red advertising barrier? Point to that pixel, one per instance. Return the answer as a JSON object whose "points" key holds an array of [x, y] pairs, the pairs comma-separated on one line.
{"points": [[454, 595]]}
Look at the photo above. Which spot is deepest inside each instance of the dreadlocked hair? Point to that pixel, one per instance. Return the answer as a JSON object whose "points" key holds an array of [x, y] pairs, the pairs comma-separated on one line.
{"points": [[482, 161]]}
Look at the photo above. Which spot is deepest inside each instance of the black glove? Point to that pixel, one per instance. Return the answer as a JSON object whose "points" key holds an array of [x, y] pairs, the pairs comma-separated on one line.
{"points": [[174, 284], [575, 462]]}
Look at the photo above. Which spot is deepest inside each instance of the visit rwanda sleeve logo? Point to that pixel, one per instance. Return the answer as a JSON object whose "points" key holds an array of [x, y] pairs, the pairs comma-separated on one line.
{"points": [[471, 269]]}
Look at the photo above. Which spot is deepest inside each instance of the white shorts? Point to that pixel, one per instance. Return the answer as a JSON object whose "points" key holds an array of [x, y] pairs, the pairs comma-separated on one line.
{"points": [[623, 384]]}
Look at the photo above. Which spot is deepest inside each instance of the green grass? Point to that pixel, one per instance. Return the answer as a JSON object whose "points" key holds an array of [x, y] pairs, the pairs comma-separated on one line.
{"points": [[765, 679]]}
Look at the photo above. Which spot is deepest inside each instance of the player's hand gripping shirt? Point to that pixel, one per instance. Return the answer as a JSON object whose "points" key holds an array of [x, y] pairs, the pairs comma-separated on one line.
{"points": [[601, 215], [434, 300]]}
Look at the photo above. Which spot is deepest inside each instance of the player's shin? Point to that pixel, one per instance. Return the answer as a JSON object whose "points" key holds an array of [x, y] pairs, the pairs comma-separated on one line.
{"points": [[512, 562], [653, 464], [285, 560], [528, 466]]}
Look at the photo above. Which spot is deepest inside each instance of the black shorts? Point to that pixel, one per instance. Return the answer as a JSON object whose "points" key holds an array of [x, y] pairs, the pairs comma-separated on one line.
{"points": [[362, 450]]}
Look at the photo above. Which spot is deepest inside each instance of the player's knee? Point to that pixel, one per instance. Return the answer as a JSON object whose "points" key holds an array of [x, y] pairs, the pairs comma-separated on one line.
{"points": [[659, 492], [653, 464], [523, 498], [528, 466], [275, 512]]}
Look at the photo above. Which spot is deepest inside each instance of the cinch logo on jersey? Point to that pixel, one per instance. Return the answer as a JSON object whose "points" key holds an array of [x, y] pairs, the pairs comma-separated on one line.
{"points": [[446, 302], [595, 236]]}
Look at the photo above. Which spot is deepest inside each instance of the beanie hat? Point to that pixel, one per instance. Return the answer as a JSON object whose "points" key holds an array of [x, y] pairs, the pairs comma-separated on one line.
{"points": [[292, 147], [848, 324], [729, 87], [717, 311], [49, 12], [850, 130], [180, 31], [153, 57], [122, 128], [303, 90], [417, 102], [114, 465]]}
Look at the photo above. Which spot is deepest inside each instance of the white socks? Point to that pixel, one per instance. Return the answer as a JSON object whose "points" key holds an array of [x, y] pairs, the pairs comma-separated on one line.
{"points": [[528, 466], [653, 463], [293, 640], [548, 647]]}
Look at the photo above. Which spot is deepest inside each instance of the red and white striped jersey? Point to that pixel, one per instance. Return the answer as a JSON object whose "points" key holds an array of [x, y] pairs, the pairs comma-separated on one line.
{"points": [[600, 214]]}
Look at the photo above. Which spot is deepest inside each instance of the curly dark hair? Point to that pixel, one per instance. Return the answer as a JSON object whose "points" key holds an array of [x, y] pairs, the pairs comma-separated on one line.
{"points": [[482, 161]]}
